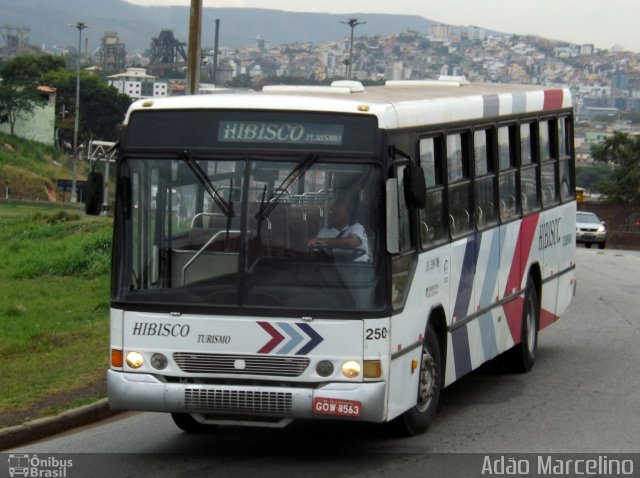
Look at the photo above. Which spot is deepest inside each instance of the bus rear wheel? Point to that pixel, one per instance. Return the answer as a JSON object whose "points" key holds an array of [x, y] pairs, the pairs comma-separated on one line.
{"points": [[417, 419], [522, 357]]}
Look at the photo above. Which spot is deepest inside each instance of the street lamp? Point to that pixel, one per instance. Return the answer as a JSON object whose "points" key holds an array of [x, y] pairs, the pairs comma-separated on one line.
{"points": [[353, 23], [80, 26]]}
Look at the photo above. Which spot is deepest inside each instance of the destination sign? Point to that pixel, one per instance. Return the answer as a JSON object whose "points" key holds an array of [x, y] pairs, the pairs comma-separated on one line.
{"points": [[280, 133], [250, 130]]}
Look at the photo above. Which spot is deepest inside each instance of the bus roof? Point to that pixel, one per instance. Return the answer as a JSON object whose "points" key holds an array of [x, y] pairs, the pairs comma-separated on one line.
{"points": [[398, 104]]}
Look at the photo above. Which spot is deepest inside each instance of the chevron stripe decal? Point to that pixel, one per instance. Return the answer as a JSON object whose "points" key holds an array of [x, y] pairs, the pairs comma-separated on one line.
{"points": [[276, 338], [289, 338], [313, 335]]}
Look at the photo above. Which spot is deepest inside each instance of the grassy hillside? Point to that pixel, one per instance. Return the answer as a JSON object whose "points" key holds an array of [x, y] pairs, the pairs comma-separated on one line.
{"points": [[30, 169], [54, 283]]}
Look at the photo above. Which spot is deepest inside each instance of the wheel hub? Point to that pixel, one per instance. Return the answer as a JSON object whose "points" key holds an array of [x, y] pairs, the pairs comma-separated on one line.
{"points": [[428, 381]]}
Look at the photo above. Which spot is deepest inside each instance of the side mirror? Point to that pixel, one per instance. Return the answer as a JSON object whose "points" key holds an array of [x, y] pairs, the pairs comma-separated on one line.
{"points": [[415, 187], [95, 194]]}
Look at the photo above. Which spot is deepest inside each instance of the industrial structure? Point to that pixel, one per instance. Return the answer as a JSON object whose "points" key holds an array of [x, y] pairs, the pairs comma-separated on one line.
{"points": [[167, 52], [16, 40], [112, 53]]}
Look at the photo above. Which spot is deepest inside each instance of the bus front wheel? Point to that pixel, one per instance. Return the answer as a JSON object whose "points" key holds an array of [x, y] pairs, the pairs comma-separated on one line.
{"points": [[417, 419]]}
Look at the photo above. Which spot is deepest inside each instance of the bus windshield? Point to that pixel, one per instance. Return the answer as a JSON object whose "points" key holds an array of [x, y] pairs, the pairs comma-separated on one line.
{"points": [[301, 232]]}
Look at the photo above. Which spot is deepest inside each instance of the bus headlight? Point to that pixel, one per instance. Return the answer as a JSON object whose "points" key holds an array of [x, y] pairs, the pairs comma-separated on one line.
{"points": [[159, 361], [324, 368], [135, 359], [350, 369]]}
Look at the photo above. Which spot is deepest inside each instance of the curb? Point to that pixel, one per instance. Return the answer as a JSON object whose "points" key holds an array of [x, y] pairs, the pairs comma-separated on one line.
{"points": [[47, 426]]}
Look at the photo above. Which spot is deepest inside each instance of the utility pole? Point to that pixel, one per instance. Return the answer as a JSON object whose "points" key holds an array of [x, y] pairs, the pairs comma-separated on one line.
{"points": [[215, 51], [193, 53], [353, 23], [74, 197]]}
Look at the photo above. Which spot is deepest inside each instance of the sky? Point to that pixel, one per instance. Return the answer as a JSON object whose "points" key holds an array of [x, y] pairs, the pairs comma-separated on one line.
{"points": [[605, 23]]}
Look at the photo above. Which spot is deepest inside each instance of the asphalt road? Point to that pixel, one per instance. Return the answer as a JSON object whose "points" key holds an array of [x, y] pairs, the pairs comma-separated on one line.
{"points": [[581, 397]]}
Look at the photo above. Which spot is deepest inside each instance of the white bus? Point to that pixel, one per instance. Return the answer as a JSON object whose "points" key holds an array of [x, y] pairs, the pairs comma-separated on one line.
{"points": [[336, 252]]}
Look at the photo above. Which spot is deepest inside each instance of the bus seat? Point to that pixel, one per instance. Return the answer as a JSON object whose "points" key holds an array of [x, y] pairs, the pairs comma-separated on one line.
{"points": [[480, 219], [452, 225]]}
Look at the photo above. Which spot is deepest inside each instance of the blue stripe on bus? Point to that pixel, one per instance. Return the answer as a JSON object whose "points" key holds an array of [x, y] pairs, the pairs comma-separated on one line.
{"points": [[467, 274], [491, 273], [461, 353], [487, 327], [488, 336], [518, 103]]}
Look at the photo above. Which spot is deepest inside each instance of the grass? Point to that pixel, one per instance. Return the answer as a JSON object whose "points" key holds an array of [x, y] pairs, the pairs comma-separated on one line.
{"points": [[54, 304], [29, 170]]}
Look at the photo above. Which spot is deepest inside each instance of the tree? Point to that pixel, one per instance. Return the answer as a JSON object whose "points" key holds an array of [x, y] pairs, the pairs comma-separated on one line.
{"points": [[623, 151], [589, 175], [102, 108], [28, 69], [19, 94]]}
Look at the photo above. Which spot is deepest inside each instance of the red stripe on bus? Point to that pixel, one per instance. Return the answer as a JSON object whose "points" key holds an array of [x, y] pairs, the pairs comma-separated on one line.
{"points": [[276, 338], [553, 99], [546, 318], [513, 310]]}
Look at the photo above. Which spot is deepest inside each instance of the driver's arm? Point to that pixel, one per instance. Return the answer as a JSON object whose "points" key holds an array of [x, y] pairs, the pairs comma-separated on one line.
{"points": [[350, 241]]}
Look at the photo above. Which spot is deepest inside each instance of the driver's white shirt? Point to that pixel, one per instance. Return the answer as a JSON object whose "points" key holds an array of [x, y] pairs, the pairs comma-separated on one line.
{"points": [[355, 229]]}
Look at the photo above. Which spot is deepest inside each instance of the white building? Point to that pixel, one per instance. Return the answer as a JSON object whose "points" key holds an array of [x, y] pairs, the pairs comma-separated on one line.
{"points": [[40, 124], [440, 32], [136, 83], [476, 33]]}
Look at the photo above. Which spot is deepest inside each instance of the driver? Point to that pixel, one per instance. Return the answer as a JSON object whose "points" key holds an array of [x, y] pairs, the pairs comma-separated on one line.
{"points": [[343, 232]]}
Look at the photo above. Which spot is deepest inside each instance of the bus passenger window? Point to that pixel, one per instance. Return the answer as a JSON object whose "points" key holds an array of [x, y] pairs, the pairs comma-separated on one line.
{"points": [[432, 225], [428, 153], [548, 170], [549, 195], [507, 181], [526, 156], [484, 152], [567, 186], [505, 148], [544, 141], [460, 212], [528, 175], [432, 218]]}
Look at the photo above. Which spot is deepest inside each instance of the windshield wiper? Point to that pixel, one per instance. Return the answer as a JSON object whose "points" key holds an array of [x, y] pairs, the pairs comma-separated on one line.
{"points": [[225, 207], [302, 167]]}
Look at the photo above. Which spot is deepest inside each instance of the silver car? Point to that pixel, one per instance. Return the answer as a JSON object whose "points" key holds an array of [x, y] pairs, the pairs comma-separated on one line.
{"points": [[590, 229]]}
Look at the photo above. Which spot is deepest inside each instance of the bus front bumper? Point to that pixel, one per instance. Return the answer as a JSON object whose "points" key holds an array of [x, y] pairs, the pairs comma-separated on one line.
{"points": [[362, 401]]}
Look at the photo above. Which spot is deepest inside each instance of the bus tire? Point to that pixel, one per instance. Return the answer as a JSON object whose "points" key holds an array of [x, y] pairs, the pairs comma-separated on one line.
{"points": [[187, 423], [523, 356], [418, 419]]}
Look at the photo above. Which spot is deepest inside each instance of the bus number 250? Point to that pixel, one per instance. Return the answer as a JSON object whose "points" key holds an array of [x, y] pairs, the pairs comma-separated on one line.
{"points": [[377, 333]]}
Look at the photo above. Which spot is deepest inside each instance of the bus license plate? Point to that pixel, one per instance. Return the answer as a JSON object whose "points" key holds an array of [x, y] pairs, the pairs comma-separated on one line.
{"points": [[333, 406]]}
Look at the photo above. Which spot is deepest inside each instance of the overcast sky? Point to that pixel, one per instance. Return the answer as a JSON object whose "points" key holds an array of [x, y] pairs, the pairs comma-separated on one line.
{"points": [[604, 23]]}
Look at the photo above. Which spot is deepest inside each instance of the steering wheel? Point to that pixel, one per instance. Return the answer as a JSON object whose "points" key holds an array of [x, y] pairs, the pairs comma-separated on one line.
{"points": [[321, 252]]}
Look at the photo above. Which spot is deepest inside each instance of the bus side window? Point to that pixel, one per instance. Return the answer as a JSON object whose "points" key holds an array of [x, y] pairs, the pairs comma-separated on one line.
{"points": [[548, 159], [461, 215], [484, 154], [507, 179], [528, 169], [567, 186], [432, 226]]}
